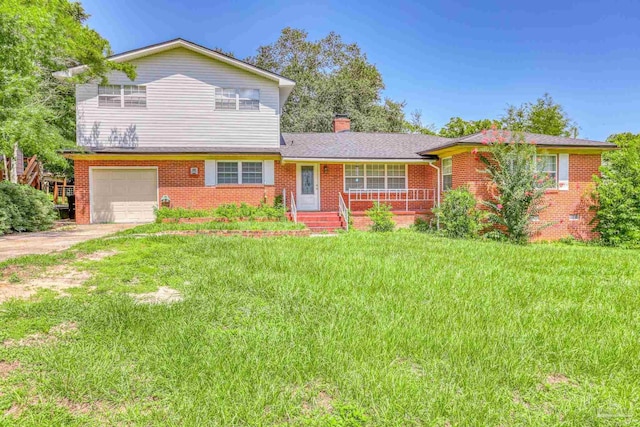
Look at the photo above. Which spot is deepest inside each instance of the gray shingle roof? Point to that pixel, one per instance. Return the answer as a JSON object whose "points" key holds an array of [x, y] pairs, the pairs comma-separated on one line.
{"points": [[357, 145], [539, 139], [352, 145]]}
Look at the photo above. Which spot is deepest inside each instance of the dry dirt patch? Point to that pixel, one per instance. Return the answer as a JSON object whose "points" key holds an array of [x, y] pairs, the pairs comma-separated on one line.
{"points": [[54, 334], [164, 295], [7, 367], [23, 283]]}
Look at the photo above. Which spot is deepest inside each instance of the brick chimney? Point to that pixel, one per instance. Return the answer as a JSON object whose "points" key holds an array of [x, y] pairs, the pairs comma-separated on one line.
{"points": [[341, 123]]}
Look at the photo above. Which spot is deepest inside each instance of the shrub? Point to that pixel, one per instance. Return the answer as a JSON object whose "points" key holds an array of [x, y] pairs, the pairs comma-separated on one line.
{"points": [[381, 216], [458, 214], [230, 212], [23, 208], [519, 189], [618, 193], [423, 225]]}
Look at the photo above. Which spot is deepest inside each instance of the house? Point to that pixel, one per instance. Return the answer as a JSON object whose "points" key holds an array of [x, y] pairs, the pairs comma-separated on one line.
{"points": [[197, 129]]}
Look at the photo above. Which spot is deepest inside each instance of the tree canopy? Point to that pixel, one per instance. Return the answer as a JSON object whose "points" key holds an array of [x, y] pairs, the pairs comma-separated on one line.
{"points": [[39, 37], [544, 116], [331, 77]]}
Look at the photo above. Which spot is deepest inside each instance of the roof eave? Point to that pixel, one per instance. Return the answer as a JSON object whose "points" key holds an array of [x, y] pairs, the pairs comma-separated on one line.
{"points": [[171, 44]]}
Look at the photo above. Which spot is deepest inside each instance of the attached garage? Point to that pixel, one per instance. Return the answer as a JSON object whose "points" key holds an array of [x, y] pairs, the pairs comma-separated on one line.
{"points": [[123, 195]]}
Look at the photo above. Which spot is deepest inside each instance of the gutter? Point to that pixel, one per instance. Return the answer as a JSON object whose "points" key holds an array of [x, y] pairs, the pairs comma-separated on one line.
{"points": [[354, 160]]}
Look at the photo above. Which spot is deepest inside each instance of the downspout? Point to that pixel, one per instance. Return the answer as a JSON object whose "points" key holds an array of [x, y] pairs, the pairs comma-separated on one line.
{"points": [[437, 190]]}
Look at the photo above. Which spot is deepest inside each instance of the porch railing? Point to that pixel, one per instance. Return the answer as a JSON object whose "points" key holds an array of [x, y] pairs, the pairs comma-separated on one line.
{"points": [[343, 211], [294, 209], [404, 195]]}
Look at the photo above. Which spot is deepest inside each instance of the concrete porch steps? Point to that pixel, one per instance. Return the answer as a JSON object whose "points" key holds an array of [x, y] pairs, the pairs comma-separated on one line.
{"points": [[319, 222]]}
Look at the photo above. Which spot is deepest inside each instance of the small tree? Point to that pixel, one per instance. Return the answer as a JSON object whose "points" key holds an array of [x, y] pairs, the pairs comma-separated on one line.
{"points": [[518, 188], [458, 215], [618, 193]]}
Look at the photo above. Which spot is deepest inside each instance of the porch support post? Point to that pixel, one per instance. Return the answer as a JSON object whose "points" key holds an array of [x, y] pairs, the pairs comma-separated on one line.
{"points": [[437, 190]]}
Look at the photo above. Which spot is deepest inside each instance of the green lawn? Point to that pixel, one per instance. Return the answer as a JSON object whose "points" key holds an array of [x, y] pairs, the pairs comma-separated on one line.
{"points": [[358, 329]]}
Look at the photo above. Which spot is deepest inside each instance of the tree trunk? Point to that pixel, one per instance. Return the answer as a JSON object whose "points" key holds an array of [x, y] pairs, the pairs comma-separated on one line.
{"points": [[14, 165]]}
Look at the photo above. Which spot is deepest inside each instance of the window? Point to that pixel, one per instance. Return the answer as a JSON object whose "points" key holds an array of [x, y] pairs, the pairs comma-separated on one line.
{"points": [[135, 96], [239, 173], [122, 96], [237, 99], [248, 99], [447, 174], [547, 164], [251, 172], [574, 217], [109, 96], [354, 177], [375, 177]]}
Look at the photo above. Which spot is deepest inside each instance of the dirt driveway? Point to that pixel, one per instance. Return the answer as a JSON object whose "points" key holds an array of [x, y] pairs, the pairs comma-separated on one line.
{"points": [[18, 244]]}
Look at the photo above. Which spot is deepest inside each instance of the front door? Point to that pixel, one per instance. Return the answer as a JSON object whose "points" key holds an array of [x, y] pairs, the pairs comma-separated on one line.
{"points": [[308, 184]]}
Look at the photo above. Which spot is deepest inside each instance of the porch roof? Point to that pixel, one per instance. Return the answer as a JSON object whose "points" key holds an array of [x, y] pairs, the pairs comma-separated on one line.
{"points": [[358, 145]]}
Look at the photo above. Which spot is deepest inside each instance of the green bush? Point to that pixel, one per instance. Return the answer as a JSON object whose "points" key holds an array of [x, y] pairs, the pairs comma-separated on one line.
{"points": [[230, 212], [23, 208], [382, 217], [423, 225], [458, 215], [618, 193]]}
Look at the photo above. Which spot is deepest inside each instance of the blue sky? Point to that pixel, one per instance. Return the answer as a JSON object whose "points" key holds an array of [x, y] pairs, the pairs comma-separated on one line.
{"points": [[449, 58]]}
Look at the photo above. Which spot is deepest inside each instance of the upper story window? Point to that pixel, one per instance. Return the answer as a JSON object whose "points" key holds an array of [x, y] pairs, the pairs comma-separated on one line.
{"points": [[375, 177], [237, 99], [447, 174], [122, 96]]}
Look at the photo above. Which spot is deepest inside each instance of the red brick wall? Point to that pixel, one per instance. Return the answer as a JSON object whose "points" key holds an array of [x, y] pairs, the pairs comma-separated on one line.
{"points": [[175, 181], [582, 167]]}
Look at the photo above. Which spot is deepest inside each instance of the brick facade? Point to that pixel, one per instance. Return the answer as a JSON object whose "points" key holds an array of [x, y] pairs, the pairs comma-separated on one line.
{"points": [[174, 180], [188, 191], [562, 204]]}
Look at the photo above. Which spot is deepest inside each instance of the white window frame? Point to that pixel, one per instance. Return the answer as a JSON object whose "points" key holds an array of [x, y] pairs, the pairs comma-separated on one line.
{"points": [[122, 96], [535, 159], [239, 164], [450, 173], [365, 177], [221, 90]]}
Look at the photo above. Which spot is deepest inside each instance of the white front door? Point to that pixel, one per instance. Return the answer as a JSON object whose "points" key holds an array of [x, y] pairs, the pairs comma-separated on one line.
{"points": [[308, 187]]}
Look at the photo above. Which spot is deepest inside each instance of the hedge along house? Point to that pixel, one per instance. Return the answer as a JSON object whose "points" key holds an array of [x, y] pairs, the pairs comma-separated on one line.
{"points": [[198, 129]]}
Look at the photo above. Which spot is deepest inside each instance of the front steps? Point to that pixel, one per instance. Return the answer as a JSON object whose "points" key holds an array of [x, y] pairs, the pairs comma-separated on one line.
{"points": [[319, 222]]}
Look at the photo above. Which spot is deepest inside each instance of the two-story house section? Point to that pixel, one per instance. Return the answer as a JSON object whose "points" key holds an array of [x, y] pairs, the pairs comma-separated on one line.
{"points": [[197, 129]]}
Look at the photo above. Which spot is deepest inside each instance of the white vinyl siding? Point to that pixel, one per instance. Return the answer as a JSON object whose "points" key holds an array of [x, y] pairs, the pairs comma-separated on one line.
{"points": [[447, 174], [245, 172], [180, 106], [375, 177]]}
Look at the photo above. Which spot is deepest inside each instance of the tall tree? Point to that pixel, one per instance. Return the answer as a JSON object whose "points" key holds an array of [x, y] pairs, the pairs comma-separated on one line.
{"points": [[544, 116], [415, 125], [331, 77], [457, 127], [39, 37]]}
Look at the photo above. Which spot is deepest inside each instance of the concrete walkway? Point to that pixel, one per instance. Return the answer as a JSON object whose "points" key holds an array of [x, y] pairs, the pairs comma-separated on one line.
{"points": [[17, 244]]}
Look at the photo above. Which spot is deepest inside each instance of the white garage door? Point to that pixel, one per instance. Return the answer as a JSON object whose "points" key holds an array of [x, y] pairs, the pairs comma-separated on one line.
{"points": [[123, 195]]}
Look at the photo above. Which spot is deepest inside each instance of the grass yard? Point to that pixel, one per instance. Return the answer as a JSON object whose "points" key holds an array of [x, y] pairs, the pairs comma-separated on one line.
{"points": [[358, 329]]}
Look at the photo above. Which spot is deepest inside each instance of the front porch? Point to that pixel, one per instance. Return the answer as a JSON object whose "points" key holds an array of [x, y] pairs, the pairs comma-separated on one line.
{"points": [[406, 206]]}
